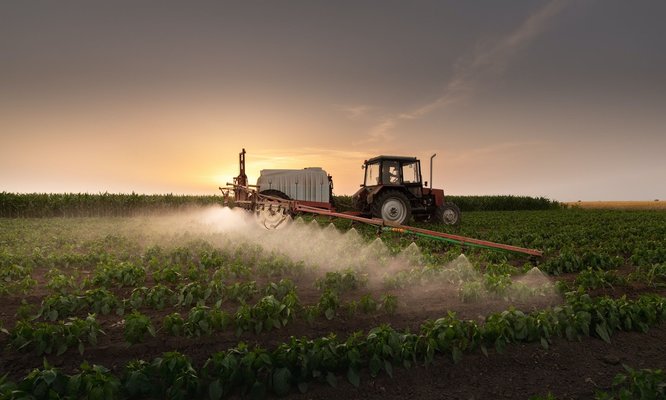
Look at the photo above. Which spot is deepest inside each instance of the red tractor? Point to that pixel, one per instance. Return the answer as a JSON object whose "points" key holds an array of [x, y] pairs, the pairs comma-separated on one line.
{"points": [[393, 191]]}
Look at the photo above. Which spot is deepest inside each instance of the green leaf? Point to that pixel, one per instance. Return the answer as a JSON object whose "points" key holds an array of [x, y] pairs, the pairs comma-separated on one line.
{"points": [[97, 393], [215, 390], [332, 379], [375, 365], [353, 376], [602, 331], [49, 376], [619, 379], [303, 387], [258, 391], [544, 343], [456, 354], [282, 381], [388, 368], [329, 313]]}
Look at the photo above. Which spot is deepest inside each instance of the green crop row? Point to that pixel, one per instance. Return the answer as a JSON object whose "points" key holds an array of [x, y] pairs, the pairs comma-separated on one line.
{"points": [[643, 384], [299, 362], [46, 338]]}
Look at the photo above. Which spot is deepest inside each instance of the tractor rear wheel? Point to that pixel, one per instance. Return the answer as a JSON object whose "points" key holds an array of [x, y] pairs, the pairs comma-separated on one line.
{"points": [[392, 206], [448, 214]]}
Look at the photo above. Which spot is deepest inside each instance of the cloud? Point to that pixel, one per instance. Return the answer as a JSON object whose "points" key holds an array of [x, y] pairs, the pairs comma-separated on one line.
{"points": [[496, 151], [307, 154], [483, 62], [355, 111]]}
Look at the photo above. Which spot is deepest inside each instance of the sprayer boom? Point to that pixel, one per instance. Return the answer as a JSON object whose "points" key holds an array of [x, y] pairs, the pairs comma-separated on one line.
{"points": [[457, 239], [272, 212]]}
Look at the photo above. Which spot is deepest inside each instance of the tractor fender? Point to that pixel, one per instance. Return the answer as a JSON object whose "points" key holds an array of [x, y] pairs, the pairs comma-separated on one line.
{"points": [[438, 195], [372, 192]]}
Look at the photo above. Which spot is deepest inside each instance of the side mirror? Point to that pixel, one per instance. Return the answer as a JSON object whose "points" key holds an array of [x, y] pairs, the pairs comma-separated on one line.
{"points": [[363, 166]]}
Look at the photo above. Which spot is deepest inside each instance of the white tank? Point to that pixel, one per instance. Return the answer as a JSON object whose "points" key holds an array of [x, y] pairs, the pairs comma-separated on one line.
{"points": [[307, 184]]}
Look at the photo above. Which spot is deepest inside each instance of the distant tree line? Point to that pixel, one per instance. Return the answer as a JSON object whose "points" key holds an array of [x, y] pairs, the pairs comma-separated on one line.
{"points": [[481, 203], [40, 205]]}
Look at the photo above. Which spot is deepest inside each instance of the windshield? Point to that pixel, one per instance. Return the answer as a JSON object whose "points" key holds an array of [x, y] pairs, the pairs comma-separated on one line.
{"points": [[410, 172], [372, 174]]}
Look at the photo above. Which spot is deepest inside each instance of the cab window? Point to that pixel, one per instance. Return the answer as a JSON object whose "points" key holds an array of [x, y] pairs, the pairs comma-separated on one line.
{"points": [[390, 173], [372, 174], [410, 172]]}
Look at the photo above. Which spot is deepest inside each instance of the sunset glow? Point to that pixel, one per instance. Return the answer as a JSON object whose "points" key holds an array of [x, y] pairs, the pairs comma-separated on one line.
{"points": [[544, 98]]}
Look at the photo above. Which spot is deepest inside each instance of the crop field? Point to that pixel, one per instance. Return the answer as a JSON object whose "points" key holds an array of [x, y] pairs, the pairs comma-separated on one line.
{"points": [[620, 205], [204, 303]]}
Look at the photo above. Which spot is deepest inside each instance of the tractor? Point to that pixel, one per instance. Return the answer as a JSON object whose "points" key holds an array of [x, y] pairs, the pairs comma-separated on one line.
{"points": [[391, 194], [393, 191]]}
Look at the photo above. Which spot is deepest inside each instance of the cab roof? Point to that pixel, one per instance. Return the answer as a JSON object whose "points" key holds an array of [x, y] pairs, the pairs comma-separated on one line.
{"points": [[390, 158]]}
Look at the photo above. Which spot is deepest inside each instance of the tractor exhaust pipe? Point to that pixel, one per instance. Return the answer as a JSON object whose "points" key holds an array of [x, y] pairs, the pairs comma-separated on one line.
{"points": [[431, 157]]}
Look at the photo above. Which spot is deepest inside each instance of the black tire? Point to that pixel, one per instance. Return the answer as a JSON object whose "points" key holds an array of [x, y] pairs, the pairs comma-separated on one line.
{"points": [[392, 206], [448, 214], [274, 193]]}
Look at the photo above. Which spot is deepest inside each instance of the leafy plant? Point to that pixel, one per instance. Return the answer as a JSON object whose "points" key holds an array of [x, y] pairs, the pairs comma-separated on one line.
{"points": [[367, 304], [202, 320], [341, 281], [192, 294], [644, 384], [653, 275], [121, 274], [168, 273], [45, 338], [61, 283], [178, 378], [42, 384], [93, 382], [328, 304], [389, 303], [595, 279], [137, 326], [269, 313], [240, 292], [60, 306], [472, 291], [102, 301], [174, 324]]}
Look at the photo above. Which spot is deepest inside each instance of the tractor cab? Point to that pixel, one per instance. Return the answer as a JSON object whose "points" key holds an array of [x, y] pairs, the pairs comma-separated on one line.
{"points": [[393, 190], [394, 171]]}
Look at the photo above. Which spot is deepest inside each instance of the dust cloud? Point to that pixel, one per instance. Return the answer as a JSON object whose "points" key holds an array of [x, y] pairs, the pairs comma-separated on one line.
{"points": [[323, 248]]}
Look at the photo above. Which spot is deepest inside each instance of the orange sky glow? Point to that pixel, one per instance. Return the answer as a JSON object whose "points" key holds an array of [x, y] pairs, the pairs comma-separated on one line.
{"points": [[527, 102]]}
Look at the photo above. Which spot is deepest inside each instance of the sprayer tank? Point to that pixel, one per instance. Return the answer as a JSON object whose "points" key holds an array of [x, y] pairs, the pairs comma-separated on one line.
{"points": [[307, 184]]}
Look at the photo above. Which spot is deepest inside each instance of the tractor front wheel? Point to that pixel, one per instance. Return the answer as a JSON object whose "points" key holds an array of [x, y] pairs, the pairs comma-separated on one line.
{"points": [[393, 207], [448, 214]]}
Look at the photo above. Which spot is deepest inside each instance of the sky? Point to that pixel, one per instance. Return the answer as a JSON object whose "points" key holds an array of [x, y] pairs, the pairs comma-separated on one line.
{"points": [[553, 98]]}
